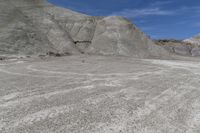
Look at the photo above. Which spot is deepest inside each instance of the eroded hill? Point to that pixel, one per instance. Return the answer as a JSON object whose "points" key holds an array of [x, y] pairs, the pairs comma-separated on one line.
{"points": [[179, 47], [31, 27]]}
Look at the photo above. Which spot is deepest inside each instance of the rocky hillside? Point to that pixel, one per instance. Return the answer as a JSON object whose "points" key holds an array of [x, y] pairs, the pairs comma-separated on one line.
{"points": [[185, 48], [194, 40], [31, 27]]}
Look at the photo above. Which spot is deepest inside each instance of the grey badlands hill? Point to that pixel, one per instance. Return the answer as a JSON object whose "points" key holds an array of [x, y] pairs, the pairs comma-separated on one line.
{"points": [[189, 47], [194, 40], [176, 46], [33, 27]]}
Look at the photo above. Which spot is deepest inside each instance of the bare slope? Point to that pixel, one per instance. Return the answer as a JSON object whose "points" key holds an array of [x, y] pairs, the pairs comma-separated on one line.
{"points": [[35, 27], [185, 48], [194, 40]]}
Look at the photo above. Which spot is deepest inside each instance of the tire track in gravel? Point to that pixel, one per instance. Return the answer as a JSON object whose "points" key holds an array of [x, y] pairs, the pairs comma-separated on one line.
{"points": [[25, 100], [43, 115]]}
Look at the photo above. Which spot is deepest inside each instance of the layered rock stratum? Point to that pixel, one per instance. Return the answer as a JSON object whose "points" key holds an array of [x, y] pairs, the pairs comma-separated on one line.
{"points": [[33, 27]]}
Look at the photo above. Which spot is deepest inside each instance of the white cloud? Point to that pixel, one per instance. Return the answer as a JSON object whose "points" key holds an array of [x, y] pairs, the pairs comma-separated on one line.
{"points": [[133, 13]]}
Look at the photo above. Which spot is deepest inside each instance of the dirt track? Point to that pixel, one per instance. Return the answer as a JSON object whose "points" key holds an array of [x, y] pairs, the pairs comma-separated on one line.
{"points": [[99, 95]]}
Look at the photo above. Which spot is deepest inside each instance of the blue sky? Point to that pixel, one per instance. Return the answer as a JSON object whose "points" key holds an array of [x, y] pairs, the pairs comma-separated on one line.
{"points": [[160, 19]]}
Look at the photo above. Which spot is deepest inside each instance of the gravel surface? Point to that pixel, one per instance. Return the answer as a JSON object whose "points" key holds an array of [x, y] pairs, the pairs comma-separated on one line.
{"points": [[97, 94]]}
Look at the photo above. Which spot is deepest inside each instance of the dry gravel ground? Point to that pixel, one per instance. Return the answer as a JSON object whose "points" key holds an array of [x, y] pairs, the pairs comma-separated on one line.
{"points": [[99, 94]]}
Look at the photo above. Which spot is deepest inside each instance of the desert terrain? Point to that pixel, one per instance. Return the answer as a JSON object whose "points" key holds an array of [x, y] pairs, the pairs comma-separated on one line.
{"points": [[99, 94], [66, 72]]}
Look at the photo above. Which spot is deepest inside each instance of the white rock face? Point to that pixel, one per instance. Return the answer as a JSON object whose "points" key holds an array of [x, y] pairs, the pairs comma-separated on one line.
{"points": [[35, 26], [194, 40]]}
